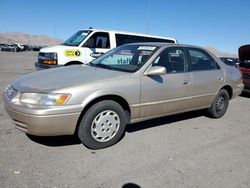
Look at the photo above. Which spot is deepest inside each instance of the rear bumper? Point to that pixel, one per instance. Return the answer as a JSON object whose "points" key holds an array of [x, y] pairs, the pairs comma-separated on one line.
{"points": [[246, 85], [238, 90]]}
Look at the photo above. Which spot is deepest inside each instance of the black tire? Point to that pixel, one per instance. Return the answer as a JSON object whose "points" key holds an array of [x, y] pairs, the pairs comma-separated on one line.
{"points": [[220, 104], [102, 125], [73, 63]]}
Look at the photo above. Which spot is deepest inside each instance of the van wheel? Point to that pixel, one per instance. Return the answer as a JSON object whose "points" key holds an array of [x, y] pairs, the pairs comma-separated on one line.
{"points": [[102, 125], [73, 63], [220, 104]]}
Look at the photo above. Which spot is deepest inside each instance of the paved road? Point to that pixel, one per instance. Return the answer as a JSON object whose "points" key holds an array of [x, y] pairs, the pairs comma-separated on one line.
{"points": [[187, 150]]}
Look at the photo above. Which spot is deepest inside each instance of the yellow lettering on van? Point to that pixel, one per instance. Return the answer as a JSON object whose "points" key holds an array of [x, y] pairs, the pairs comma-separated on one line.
{"points": [[72, 53]]}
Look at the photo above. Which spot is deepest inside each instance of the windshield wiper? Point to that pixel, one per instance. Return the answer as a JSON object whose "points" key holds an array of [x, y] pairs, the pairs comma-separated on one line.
{"points": [[90, 64], [101, 66]]}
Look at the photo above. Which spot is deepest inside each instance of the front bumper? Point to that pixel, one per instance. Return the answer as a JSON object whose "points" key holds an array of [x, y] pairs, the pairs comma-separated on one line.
{"points": [[50, 125], [43, 122], [40, 66]]}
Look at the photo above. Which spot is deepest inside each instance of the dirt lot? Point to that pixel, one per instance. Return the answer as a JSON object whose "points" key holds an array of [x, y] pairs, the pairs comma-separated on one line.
{"points": [[187, 150]]}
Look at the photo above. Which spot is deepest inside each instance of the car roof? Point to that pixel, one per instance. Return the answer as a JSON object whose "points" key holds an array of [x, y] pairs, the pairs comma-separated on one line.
{"points": [[165, 45], [228, 57]]}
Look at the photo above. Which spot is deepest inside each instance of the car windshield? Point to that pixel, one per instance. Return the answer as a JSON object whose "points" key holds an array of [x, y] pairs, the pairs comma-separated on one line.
{"points": [[126, 58], [77, 38]]}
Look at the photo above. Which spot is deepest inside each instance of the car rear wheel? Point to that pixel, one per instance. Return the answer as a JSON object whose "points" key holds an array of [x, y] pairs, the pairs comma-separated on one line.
{"points": [[102, 125], [220, 104]]}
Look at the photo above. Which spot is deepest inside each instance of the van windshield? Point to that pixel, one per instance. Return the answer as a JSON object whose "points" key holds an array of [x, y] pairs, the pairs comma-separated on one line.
{"points": [[126, 58], [77, 38]]}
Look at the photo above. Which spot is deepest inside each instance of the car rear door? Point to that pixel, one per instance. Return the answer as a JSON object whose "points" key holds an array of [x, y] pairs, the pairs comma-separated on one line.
{"points": [[208, 77]]}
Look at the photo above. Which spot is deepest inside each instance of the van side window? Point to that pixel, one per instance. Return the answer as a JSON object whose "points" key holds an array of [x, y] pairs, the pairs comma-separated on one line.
{"points": [[200, 60], [135, 39], [172, 59], [98, 40], [150, 39], [121, 39], [124, 39]]}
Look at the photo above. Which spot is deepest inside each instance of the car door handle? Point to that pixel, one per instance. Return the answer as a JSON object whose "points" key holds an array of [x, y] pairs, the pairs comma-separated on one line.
{"points": [[220, 79], [186, 82]]}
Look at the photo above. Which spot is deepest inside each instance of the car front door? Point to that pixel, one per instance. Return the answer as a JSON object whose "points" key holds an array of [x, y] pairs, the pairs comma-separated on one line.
{"points": [[96, 45], [169, 93]]}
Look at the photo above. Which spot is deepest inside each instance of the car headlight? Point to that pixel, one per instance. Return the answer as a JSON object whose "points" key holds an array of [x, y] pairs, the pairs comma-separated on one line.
{"points": [[44, 99], [48, 58]]}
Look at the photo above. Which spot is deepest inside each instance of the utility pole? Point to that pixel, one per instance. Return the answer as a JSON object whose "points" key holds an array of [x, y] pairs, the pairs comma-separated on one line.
{"points": [[148, 16]]}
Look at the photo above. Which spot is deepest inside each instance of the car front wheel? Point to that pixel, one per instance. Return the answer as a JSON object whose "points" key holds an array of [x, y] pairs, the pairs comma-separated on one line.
{"points": [[220, 104], [102, 125]]}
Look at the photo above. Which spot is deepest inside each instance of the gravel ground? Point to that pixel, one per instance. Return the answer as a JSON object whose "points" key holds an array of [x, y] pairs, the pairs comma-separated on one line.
{"points": [[187, 150]]}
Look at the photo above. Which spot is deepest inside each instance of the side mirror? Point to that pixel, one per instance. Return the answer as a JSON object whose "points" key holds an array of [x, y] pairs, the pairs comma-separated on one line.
{"points": [[155, 71], [96, 54]]}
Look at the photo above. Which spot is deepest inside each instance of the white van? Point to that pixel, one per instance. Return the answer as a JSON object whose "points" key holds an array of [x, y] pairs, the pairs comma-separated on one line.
{"points": [[85, 45]]}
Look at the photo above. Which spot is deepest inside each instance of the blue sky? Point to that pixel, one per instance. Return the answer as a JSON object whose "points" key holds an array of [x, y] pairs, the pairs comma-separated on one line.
{"points": [[222, 24]]}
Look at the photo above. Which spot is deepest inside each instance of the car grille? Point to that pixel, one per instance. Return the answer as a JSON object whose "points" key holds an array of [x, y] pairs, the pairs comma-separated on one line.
{"points": [[10, 92]]}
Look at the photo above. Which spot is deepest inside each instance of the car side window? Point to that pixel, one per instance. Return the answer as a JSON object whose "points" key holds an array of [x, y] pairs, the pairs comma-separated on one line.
{"points": [[200, 60], [172, 59], [98, 40]]}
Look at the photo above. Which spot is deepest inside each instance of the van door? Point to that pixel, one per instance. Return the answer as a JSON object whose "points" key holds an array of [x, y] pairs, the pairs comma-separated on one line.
{"points": [[96, 45]]}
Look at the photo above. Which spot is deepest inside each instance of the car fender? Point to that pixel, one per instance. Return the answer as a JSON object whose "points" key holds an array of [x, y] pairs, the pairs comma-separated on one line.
{"points": [[102, 93]]}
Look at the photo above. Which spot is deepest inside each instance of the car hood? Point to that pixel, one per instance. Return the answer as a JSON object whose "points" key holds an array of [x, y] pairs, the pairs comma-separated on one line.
{"points": [[57, 78], [57, 48]]}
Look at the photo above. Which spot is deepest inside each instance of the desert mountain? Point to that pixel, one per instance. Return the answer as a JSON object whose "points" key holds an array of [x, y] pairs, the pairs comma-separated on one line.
{"points": [[42, 40], [23, 38], [220, 53]]}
